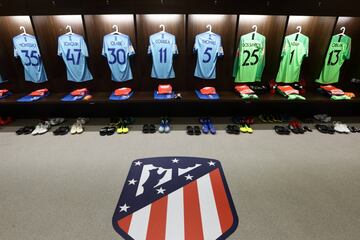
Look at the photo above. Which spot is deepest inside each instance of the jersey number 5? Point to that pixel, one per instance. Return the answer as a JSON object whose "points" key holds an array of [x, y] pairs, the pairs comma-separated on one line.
{"points": [[70, 56], [207, 53], [252, 55]]}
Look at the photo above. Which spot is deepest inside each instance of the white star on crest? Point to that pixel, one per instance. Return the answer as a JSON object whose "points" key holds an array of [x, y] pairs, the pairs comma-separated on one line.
{"points": [[189, 177], [175, 160], [132, 181], [160, 191], [138, 163], [124, 208], [211, 163]]}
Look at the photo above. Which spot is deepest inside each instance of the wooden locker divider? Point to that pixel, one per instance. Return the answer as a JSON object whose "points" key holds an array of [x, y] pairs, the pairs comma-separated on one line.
{"points": [[272, 27], [11, 67], [48, 29], [148, 24], [351, 68], [319, 30], [225, 26], [97, 26]]}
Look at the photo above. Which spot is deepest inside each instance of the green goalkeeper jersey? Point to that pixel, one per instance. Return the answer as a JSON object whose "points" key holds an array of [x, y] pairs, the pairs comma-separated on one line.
{"points": [[338, 52], [295, 49], [250, 58]]}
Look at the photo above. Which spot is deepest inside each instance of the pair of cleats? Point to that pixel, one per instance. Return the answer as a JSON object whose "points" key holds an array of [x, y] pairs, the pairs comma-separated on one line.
{"points": [[271, 118], [164, 126], [297, 128], [25, 130], [207, 126], [121, 128], [245, 128], [190, 130], [41, 128], [107, 131], [326, 129], [5, 121], [149, 128], [341, 128], [282, 130], [61, 131], [233, 129], [323, 118]]}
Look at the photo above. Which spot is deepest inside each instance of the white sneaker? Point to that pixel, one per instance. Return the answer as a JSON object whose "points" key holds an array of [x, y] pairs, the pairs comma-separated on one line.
{"points": [[341, 128], [44, 127], [36, 130], [56, 121], [73, 129], [79, 128]]}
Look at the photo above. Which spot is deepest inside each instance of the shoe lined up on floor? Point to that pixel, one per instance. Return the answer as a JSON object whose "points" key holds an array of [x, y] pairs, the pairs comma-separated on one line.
{"points": [[232, 129], [164, 126], [327, 129], [77, 127], [107, 131], [61, 131], [42, 128], [324, 118], [281, 130], [341, 127], [193, 130], [25, 130], [207, 126], [56, 121], [149, 128], [272, 118]]}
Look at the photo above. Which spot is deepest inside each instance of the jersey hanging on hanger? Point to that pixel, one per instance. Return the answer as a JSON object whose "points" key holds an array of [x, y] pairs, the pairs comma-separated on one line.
{"points": [[162, 47], [250, 58], [208, 47], [26, 47], [1, 79], [117, 48], [295, 49], [339, 51], [72, 48]]}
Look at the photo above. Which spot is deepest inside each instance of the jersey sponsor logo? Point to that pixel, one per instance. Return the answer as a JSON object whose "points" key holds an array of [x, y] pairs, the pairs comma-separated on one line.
{"points": [[208, 42], [29, 45], [178, 198], [116, 43], [257, 45], [73, 44], [164, 41]]}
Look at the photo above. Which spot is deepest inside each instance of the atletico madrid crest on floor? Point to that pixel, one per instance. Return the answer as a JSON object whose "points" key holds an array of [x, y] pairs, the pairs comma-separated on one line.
{"points": [[175, 198]]}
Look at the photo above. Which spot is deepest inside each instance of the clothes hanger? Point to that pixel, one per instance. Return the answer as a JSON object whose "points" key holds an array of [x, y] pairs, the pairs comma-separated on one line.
{"points": [[299, 28], [254, 27], [162, 26], [209, 27], [24, 30], [116, 29], [342, 29], [70, 29]]}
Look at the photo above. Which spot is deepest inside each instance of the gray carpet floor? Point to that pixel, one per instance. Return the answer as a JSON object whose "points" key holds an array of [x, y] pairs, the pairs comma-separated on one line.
{"points": [[284, 187]]}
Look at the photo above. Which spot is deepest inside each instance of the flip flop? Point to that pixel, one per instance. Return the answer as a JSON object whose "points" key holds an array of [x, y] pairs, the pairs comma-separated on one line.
{"points": [[197, 130], [190, 130], [281, 130], [20, 131], [230, 129], [146, 128], [152, 128], [103, 131]]}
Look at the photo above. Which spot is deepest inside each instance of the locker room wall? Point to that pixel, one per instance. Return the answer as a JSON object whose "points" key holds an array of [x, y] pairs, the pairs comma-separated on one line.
{"points": [[319, 31], [97, 26], [351, 68], [225, 26], [272, 27], [12, 68], [148, 24], [48, 29]]}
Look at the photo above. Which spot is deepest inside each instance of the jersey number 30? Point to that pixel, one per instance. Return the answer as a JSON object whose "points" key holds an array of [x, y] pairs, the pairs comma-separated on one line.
{"points": [[118, 55]]}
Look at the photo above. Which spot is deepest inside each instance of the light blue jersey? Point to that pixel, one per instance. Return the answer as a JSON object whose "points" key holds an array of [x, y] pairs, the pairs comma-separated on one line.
{"points": [[72, 48], [208, 47], [117, 48], [162, 47], [26, 47]]}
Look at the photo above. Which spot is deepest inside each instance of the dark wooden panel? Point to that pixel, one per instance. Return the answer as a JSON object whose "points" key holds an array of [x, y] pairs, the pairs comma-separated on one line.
{"points": [[225, 26], [13, 7], [109, 6], [11, 66], [48, 29], [272, 27], [351, 68], [54, 6], [161, 6], [319, 30], [147, 25], [97, 26]]}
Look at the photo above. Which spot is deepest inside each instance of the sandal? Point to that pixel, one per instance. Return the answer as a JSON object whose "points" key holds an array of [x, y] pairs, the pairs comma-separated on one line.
{"points": [[190, 130], [197, 130]]}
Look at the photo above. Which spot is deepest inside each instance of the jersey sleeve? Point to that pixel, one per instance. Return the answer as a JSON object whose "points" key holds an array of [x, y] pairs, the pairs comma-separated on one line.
{"points": [[220, 52], [196, 44], [16, 54], [103, 51], [306, 47], [131, 48], [174, 48], [84, 49], [285, 47], [348, 50], [59, 47], [237, 59]]}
